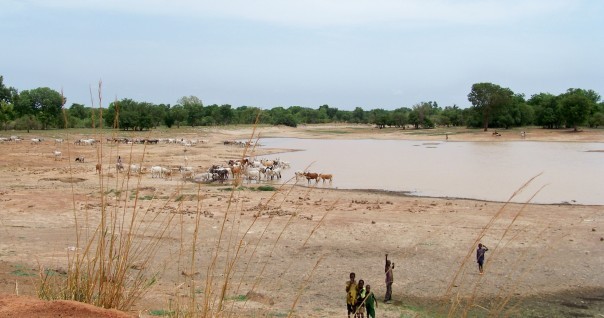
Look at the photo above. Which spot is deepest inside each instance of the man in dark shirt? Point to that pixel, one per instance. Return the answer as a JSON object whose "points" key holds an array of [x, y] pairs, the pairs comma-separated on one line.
{"points": [[480, 256]]}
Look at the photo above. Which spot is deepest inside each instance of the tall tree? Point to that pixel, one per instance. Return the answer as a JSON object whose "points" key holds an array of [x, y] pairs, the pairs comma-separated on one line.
{"points": [[44, 103], [547, 110], [487, 98], [576, 105]]}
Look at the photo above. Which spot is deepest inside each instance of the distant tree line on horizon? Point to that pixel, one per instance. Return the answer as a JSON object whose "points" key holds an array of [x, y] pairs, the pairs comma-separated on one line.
{"points": [[493, 106]]}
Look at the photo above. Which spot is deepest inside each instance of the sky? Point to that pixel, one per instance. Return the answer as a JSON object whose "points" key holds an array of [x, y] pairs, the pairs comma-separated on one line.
{"points": [[268, 53]]}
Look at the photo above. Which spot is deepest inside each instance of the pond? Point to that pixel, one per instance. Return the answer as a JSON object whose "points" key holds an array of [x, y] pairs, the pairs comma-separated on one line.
{"points": [[565, 172]]}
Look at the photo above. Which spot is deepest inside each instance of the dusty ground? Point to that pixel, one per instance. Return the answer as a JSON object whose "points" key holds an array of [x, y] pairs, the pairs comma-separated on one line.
{"points": [[294, 247]]}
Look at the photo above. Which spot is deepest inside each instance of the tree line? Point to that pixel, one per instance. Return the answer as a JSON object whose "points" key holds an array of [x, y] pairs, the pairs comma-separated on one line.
{"points": [[492, 106]]}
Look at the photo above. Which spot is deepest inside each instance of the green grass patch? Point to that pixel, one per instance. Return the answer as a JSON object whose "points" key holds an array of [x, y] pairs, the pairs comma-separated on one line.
{"points": [[161, 312], [266, 188], [21, 271], [237, 298]]}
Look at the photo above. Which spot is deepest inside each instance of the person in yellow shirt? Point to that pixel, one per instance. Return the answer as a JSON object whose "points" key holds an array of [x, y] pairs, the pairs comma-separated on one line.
{"points": [[351, 295]]}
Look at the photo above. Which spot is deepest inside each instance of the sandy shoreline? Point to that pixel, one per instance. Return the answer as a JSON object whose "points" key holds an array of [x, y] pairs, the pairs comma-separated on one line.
{"points": [[303, 241]]}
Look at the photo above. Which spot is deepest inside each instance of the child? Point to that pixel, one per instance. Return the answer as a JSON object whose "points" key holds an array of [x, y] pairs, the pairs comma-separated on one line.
{"points": [[360, 304], [389, 279], [370, 302], [480, 256], [351, 294]]}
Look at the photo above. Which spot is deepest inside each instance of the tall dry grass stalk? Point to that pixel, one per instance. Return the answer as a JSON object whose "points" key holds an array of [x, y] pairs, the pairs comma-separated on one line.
{"points": [[109, 266], [460, 305], [115, 260]]}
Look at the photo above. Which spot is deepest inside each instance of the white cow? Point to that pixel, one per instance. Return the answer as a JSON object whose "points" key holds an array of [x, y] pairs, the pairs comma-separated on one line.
{"points": [[157, 172], [252, 174], [203, 177]]}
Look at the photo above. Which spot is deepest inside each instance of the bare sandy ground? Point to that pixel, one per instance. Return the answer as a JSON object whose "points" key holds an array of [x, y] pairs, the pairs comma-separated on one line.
{"points": [[293, 248]]}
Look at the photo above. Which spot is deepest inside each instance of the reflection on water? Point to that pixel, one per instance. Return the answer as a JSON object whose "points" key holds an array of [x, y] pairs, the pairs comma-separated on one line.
{"points": [[570, 172]]}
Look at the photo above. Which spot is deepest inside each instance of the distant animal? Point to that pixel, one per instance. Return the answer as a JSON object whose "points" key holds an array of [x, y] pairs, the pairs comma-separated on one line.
{"points": [[312, 176], [36, 141], [299, 174], [187, 172], [252, 174], [79, 159], [57, 155], [203, 177], [157, 172], [324, 177], [98, 168]]}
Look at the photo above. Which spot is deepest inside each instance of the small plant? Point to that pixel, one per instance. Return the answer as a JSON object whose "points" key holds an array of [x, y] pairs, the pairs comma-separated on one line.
{"points": [[266, 188]]}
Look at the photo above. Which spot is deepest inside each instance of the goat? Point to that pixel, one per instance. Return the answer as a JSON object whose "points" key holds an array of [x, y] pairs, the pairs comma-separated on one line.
{"points": [[79, 159], [57, 155], [98, 168]]}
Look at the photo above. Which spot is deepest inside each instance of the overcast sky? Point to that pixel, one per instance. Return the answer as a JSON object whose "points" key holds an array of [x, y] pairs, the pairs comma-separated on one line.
{"points": [[267, 53]]}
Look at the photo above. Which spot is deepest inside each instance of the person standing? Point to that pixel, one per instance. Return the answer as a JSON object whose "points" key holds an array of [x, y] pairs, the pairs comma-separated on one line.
{"points": [[361, 294], [351, 295], [482, 249], [389, 279], [370, 302]]}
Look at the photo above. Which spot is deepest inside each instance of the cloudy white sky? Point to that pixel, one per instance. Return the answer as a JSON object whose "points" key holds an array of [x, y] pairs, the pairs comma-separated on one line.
{"points": [[268, 53]]}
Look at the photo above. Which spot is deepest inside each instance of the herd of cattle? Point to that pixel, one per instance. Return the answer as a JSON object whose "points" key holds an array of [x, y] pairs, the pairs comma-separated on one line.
{"points": [[246, 169], [249, 169]]}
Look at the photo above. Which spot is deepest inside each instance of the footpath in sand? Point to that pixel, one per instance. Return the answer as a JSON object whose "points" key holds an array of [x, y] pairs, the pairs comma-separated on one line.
{"points": [[298, 244]]}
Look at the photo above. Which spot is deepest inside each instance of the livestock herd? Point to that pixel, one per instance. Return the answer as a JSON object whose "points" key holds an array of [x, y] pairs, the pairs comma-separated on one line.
{"points": [[247, 169]]}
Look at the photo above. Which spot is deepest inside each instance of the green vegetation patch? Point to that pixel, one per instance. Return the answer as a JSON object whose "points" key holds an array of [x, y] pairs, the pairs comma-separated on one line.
{"points": [[20, 270], [266, 188], [237, 298], [162, 312]]}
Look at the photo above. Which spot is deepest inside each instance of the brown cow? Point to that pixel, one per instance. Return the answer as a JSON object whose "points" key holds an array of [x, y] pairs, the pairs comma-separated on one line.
{"points": [[312, 176], [98, 168], [324, 177]]}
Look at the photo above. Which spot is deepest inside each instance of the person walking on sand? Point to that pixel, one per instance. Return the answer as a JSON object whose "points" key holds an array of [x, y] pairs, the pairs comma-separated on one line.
{"points": [[480, 256], [389, 279], [370, 302], [351, 295], [360, 304]]}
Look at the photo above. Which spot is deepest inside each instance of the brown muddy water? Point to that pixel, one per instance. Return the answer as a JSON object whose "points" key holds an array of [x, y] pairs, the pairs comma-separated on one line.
{"points": [[565, 172]]}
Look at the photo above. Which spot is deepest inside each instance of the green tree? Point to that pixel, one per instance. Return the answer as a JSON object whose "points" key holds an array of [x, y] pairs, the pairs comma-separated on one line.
{"points": [[358, 115], [546, 110], [7, 113], [400, 117], [194, 107], [179, 114], [44, 103], [79, 111], [575, 106], [247, 115], [421, 115], [6, 93], [487, 98]]}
